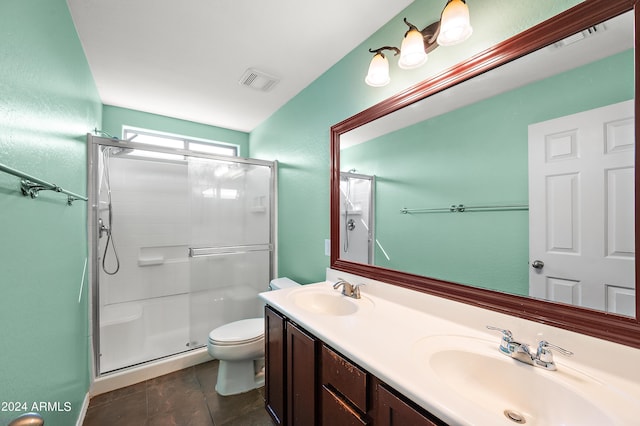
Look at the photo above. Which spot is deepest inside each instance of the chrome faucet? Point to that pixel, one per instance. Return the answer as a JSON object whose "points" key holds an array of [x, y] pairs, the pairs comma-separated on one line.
{"points": [[542, 358], [348, 289]]}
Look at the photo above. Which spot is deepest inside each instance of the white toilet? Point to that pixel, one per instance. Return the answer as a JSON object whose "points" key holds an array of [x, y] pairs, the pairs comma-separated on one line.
{"points": [[240, 348]]}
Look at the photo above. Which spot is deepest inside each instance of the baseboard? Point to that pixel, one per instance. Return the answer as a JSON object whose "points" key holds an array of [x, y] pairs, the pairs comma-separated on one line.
{"points": [[83, 410]]}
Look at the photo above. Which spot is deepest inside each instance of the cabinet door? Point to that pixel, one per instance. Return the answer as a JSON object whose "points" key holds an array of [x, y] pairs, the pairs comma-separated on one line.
{"points": [[393, 411], [275, 367], [301, 377]]}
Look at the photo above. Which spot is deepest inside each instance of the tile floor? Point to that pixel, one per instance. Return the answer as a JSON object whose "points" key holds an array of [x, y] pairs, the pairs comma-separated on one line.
{"points": [[184, 398]]}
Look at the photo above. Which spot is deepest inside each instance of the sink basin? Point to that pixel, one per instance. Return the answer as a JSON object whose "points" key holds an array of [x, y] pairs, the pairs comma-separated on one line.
{"points": [[323, 301], [500, 390]]}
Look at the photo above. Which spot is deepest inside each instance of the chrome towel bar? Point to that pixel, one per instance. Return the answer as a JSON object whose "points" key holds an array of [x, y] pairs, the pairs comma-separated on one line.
{"points": [[214, 251], [459, 208], [31, 185]]}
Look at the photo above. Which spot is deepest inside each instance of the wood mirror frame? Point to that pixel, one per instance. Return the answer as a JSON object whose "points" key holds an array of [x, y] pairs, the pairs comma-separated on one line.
{"points": [[612, 327]]}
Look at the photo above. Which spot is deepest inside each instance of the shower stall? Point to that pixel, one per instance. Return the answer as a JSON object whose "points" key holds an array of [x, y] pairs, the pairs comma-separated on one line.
{"points": [[357, 192], [180, 241]]}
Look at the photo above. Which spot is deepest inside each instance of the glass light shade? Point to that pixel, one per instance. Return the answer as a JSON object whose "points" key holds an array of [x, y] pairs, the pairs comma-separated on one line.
{"points": [[378, 74], [412, 54], [454, 24]]}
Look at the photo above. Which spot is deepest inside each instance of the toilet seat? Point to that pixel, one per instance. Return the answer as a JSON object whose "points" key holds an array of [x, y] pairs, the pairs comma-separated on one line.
{"points": [[238, 332]]}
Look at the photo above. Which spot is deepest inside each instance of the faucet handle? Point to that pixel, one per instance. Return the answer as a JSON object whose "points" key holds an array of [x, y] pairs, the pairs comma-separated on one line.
{"points": [[507, 339], [506, 334], [543, 352], [544, 357], [356, 290]]}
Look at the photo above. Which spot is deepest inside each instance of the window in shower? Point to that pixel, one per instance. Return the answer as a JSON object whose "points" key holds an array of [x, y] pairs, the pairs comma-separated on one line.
{"points": [[175, 142]]}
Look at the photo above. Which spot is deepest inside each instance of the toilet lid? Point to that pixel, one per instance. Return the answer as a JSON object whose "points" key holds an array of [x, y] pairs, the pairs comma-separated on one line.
{"points": [[243, 331]]}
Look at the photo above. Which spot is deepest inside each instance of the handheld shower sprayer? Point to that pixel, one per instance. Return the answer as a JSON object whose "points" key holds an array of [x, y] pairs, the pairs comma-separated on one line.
{"points": [[107, 229]]}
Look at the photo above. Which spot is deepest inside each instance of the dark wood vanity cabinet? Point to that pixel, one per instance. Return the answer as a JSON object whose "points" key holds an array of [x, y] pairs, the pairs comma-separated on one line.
{"points": [[290, 376], [308, 383]]}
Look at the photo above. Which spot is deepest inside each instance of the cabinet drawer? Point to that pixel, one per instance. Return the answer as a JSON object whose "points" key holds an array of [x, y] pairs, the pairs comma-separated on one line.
{"points": [[335, 411], [345, 377], [394, 411]]}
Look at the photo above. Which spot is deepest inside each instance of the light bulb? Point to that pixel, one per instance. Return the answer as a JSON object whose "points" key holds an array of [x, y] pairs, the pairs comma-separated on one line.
{"points": [[454, 24], [412, 53], [378, 74]]}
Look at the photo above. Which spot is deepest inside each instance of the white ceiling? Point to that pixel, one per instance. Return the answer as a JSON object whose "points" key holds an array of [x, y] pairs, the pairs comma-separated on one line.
{"points": [[184, 58]]}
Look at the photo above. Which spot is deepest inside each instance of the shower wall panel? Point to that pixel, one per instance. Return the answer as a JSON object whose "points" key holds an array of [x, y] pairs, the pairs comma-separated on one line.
{"points": [[151, 230]]}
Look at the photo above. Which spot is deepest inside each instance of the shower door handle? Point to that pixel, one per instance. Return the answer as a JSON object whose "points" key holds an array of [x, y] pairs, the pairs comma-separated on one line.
{"points": [[102, 228]]}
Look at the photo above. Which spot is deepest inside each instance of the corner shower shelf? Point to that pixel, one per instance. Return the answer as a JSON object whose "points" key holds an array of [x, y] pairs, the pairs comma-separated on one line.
{"points": [[31, 186]]}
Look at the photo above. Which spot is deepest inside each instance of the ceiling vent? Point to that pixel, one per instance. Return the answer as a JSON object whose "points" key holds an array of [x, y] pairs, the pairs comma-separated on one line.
{"points": [[258, 80], [589, 32]]}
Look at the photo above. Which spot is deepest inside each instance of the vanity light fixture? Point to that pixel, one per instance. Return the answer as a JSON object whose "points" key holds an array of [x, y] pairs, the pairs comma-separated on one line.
{"points": [[378, 74], [452, 28]]}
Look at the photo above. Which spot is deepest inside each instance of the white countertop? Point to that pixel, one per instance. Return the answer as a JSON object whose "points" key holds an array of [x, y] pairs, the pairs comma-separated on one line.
{"points": [[382, 335]]}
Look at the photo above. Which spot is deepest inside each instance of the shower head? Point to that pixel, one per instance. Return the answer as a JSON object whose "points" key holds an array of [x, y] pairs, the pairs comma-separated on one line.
{"points": [[101, 132]]}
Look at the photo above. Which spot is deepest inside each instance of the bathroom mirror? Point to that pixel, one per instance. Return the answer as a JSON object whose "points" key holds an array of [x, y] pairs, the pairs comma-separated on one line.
{"points": [[454, 213]]}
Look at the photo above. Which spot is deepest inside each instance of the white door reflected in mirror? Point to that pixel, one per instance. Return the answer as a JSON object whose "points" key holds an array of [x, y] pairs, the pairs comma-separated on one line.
{"points": [[581, 198]]}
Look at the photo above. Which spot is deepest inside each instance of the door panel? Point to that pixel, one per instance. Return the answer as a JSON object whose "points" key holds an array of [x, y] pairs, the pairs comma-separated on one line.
{"points": [[301, 377], [275, 361], [581, 197]]}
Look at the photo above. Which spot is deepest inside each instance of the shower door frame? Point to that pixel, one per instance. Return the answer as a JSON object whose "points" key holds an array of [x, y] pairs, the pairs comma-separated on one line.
{"points": [[93, 152]]}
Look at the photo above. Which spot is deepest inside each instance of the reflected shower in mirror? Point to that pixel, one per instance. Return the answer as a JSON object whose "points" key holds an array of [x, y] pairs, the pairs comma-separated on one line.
{"points": [[519, 180], [357, 232]]}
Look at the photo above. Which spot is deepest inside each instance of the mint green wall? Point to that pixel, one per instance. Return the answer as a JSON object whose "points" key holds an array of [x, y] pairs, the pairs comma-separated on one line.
{"points": [[459, 158], [48, 103], [114, 118], [297, 135]]}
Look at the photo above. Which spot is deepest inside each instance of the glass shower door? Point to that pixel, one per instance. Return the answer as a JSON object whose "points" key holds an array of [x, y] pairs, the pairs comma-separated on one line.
{"points": [[231, 245], [143, 273]]}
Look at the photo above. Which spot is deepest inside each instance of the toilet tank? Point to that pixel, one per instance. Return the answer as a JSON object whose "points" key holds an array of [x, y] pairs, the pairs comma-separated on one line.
{"points": [[280, 283]]}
